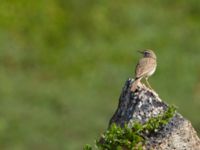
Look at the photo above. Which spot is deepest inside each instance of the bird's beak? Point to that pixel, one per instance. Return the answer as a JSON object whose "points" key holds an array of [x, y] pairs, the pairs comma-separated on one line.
{"points": [[141, 52]]}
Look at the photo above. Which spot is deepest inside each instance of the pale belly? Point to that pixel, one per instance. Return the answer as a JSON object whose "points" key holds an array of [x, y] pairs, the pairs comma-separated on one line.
{"points": [[151, 72]]}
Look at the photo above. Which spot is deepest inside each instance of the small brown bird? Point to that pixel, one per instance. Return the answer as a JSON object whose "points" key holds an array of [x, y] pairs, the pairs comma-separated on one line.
{"points": [[145, 68]]}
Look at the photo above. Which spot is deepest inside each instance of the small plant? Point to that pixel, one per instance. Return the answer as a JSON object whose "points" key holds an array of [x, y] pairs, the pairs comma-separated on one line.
{"points": [[87, 147], [117, 138]]}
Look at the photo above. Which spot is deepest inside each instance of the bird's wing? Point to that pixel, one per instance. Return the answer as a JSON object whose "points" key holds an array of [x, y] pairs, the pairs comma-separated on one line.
{"points": [[144, 66]]}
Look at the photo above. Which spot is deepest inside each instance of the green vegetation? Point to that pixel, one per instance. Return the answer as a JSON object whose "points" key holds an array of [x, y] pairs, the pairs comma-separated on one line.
{"points": [[87, 147], [63, 64], [132, 138]]}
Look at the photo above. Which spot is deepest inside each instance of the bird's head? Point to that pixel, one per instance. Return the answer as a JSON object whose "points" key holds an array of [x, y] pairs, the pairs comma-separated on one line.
{"points": [[148, 53]]}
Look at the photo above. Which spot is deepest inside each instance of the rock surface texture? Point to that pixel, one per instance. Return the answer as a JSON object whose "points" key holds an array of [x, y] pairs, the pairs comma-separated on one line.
{"points": [[143, 104]]}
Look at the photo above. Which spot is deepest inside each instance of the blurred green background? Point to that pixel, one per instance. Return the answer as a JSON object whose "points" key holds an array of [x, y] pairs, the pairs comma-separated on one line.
{"points": [[63, 64]]}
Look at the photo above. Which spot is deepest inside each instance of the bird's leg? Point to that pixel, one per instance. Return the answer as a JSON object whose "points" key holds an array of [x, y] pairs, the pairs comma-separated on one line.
{"points": [[146, 79]]}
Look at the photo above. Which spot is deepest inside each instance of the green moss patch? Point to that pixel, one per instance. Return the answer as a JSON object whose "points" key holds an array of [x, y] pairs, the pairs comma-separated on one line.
{"points": [[132, 138]]}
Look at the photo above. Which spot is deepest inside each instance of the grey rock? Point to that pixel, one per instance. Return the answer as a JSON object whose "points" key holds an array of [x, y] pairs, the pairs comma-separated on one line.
{"points": [[143, 104]]}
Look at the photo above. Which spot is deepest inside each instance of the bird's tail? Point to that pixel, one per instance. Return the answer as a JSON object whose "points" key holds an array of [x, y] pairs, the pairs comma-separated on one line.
{"points": [[135, 84]]}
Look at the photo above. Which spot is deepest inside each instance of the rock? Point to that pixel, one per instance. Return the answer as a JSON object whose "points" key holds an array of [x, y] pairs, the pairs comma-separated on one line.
{"points": [[143, 104]]}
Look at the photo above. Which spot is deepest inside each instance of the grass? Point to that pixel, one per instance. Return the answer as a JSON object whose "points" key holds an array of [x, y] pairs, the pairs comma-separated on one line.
{"points": [[62, 65]]}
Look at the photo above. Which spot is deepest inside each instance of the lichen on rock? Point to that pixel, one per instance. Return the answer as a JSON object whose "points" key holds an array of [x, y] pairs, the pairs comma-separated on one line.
{"points": [[142, 121], [144, 104]]}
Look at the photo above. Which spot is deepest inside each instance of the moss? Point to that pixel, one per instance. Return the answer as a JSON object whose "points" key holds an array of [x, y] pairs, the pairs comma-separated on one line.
{"points": [[117, 138]]}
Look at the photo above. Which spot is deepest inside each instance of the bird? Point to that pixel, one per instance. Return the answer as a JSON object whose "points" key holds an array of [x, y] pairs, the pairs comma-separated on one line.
{"points": [[145, 68]]}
